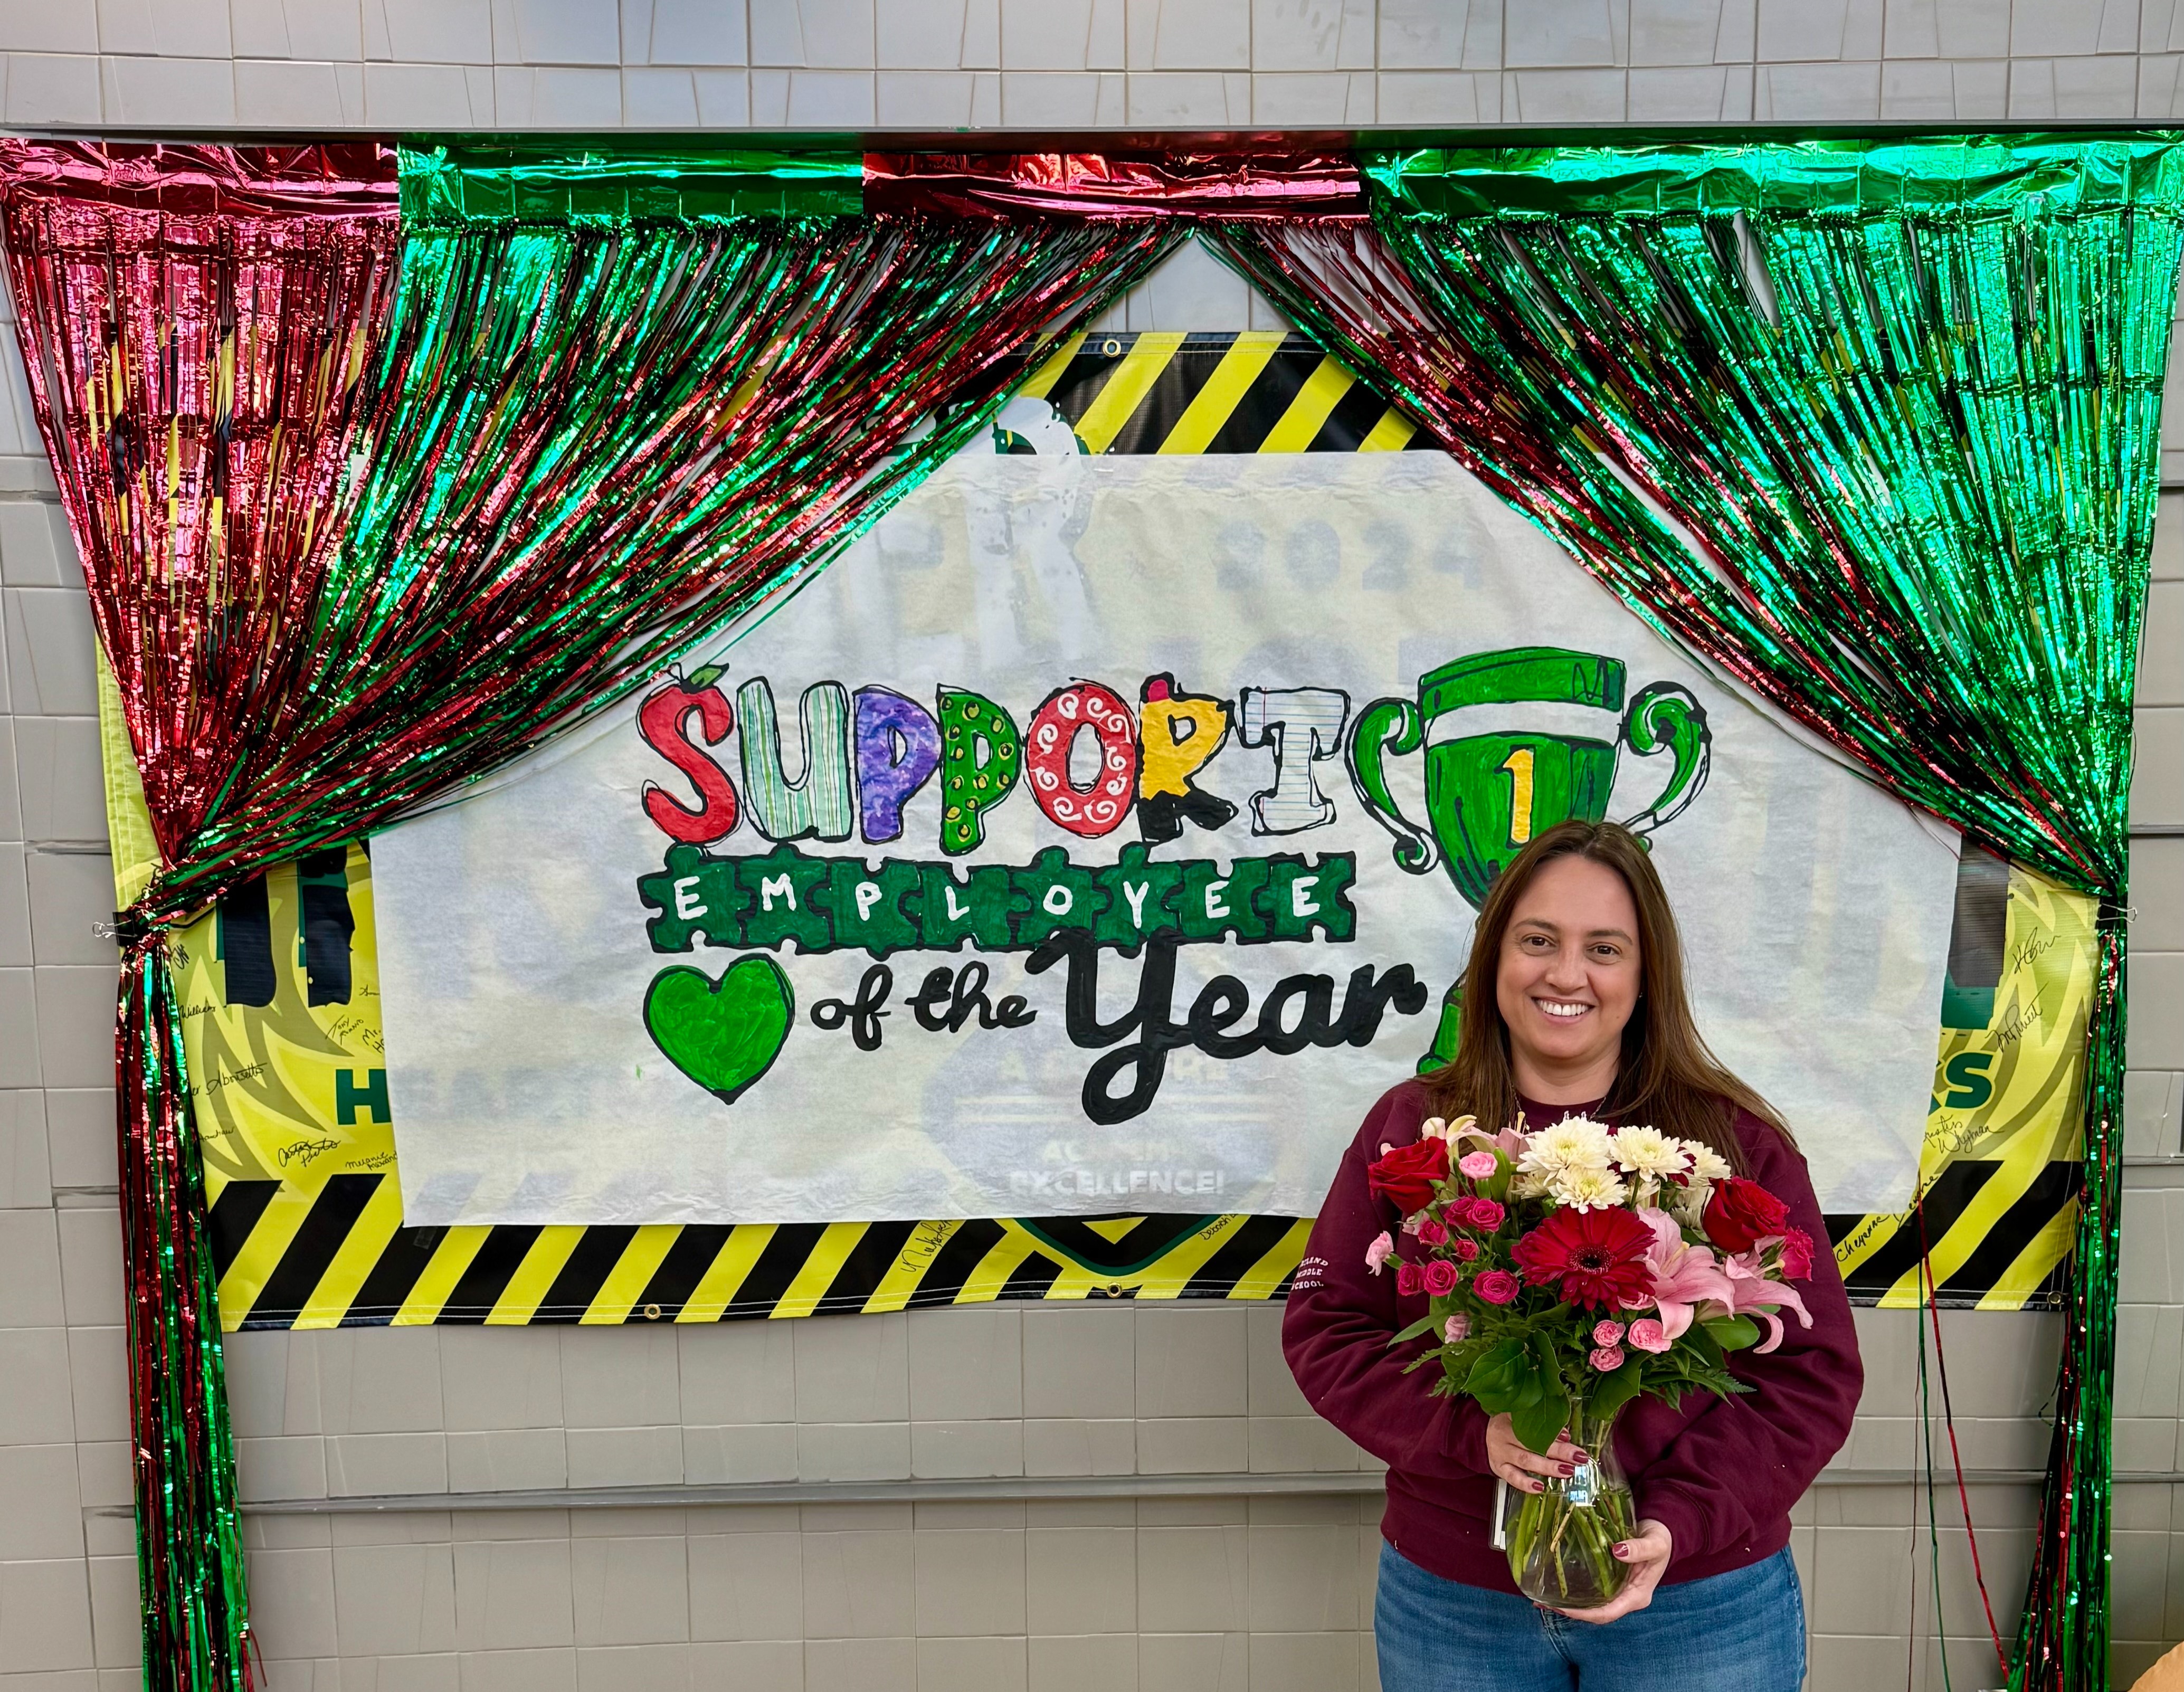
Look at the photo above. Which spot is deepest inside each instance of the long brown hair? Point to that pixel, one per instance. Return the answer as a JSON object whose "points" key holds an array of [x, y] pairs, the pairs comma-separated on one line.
{"points": [[1667, 1077]]}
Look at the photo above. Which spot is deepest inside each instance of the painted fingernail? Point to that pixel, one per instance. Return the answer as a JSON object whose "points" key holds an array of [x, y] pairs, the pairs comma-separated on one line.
{"points": [[1622, 1551], [1565, 1468]]}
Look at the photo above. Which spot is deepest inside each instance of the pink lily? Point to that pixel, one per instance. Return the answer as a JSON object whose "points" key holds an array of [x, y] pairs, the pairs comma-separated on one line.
{"points": [[1683, 1276], [1751, 1293], [1510, 1142]]}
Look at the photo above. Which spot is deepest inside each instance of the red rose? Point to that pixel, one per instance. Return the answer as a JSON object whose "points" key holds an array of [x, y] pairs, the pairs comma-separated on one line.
{"points": [[1498, 1286], [1431, 1232], [1405, 1176], [1439, 1276], [1740, 1213], [1597, 1257], [1407, 1278], [1796, 1254], [1466, 1248], [1483, 1214]]}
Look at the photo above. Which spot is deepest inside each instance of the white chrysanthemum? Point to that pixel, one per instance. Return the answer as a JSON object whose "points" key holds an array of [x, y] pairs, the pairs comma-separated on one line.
{"points": [[1707, 1163], [1583, 1188], [1575, 1143], [1523, 1184], [1649, 1152]]}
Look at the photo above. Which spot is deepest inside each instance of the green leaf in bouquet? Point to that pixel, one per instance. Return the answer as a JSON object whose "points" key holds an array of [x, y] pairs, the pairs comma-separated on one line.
{"points": [[1539, 1424], [1505, 1376], [1425, 1324], [1707, 1347], [1733, 1333], [1616, 1388]]}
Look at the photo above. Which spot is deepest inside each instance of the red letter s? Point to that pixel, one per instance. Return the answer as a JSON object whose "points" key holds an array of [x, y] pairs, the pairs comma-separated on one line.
{"points": [[664, 721]]}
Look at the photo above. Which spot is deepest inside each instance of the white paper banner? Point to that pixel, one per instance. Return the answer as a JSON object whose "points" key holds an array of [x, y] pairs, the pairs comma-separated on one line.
{"points": [[1065, 878]]}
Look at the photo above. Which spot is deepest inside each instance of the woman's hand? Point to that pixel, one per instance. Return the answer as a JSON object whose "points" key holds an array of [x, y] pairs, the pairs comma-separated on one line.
{"points": [[1509, 1459], [1647, 1552]]}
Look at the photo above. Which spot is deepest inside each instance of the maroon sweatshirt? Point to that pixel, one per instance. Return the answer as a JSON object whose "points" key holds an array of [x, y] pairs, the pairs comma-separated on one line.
{"points": [[1720, 1473]]}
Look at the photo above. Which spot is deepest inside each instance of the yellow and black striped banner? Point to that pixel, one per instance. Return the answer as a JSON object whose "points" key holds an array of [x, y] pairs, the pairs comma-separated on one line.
{"points": [[1996, 1206], [281, 1000], [1167, 391]]}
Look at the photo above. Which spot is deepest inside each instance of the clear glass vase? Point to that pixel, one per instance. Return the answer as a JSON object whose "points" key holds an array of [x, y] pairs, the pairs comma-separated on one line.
{"points": [[1562, 1541]]}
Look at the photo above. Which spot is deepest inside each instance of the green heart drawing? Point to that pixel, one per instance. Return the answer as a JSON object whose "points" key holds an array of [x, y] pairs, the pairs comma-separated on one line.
{"points": [[723, 1034]]}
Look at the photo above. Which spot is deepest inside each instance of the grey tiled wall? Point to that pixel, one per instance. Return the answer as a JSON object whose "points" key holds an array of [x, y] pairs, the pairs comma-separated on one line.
{"points": [[469, 64], [1098, 1593]]}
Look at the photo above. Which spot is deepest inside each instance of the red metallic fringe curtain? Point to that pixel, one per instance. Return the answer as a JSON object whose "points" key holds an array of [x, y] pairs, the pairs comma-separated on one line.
{"points": [[195, 323]]}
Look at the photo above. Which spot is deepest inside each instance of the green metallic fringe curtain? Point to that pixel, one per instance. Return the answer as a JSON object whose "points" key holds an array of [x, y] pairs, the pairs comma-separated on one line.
{"points": [[369, 509], [1874, 427], [354, 537]]}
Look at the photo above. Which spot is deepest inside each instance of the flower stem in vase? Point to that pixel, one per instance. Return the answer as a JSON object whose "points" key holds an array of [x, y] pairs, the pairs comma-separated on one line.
{"points": [[1562, 1543]]}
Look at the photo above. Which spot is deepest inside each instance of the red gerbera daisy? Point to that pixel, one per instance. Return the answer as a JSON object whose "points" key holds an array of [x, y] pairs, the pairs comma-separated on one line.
{"points": [[1598, 1256]]}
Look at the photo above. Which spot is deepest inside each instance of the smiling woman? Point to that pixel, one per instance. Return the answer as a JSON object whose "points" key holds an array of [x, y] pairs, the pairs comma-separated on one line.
{"points": [[1574, 1006], [1569, 977]]}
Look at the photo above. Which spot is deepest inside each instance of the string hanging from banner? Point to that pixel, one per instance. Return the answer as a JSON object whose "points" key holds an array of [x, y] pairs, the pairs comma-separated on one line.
{"points": [[1949, 1422], [1925, 1453]]}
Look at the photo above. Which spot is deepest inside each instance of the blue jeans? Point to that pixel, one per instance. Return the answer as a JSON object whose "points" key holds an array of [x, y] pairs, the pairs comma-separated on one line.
{"points": [[1739, 1631]]}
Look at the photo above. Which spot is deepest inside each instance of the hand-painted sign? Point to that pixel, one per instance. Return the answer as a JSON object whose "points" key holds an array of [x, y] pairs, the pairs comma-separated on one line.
{"points": [[1103, 834]]}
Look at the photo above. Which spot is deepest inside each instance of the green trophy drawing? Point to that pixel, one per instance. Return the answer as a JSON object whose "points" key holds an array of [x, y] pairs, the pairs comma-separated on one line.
{"points": [[1488, 794]]}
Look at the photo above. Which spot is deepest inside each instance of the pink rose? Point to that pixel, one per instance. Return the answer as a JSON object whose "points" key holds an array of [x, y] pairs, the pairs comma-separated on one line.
{"points": [[1431, 1232], [1439, 1276], [1796, 1254], [1407, 1278], [1377, 1253], [1608, 1333], [1606, 1359], [1456, 1327], [1477, 1165], [1495, 1286], [1484, 1214], [1465, 1249], [1648, 1335]]}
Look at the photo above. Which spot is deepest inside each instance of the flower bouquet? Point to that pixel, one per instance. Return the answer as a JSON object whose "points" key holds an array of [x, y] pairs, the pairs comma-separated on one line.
{"points": [[1570, 1270]]}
